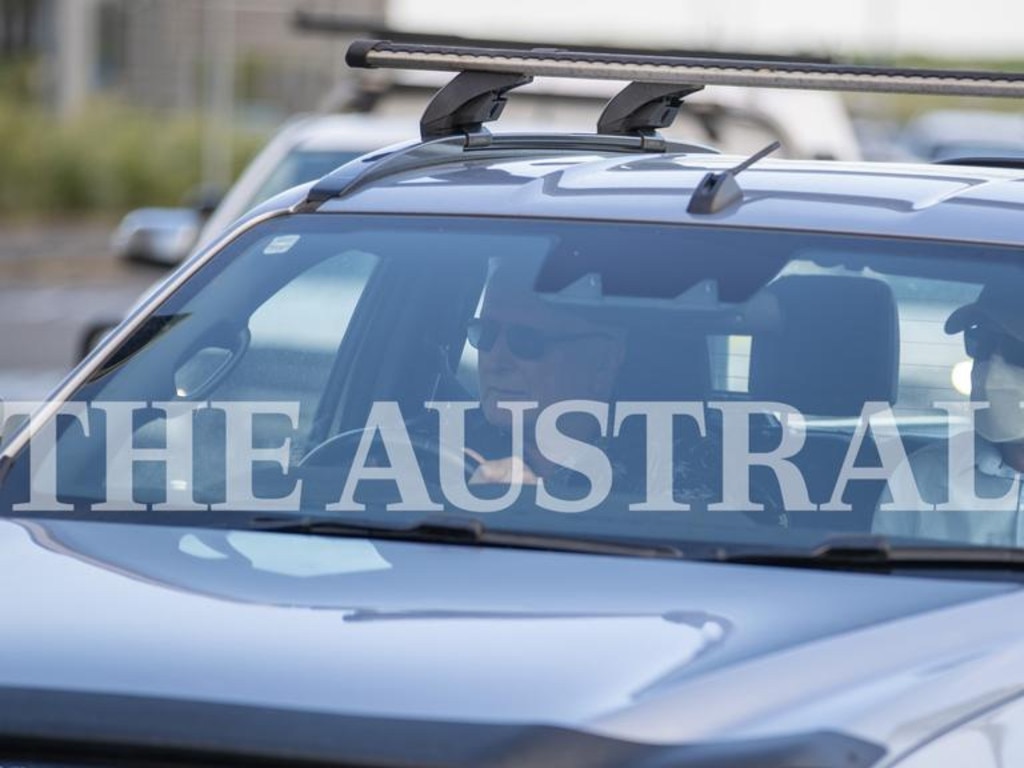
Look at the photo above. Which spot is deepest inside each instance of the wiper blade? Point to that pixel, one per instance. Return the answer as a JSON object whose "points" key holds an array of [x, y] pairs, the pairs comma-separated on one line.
{"points": [[460, 531], [879, 553]]}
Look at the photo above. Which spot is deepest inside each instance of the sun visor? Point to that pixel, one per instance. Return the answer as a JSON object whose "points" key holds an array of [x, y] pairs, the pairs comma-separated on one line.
{"points": [[664, 274]]}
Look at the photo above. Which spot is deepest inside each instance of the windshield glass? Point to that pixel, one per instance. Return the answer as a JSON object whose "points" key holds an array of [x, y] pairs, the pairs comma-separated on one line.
{"points": [[629, 381]]}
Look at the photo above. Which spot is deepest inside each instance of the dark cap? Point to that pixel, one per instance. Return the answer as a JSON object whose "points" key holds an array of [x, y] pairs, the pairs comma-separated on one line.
{"points": [[999, 304]]}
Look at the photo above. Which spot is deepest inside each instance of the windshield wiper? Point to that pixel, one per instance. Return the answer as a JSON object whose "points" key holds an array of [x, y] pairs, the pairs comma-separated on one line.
{"points": [[880, 554], [462, 531]]}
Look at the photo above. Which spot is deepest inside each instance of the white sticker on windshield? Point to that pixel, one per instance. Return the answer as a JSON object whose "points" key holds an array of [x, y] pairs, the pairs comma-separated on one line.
{"points": [[281, 244]]}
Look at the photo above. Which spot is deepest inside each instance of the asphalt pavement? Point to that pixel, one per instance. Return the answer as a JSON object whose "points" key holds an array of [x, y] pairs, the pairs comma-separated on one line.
{"points": [[55, 281]]}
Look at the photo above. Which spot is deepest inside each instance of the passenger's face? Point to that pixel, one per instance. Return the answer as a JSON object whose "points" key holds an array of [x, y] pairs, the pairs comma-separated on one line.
{"points": [[579, 360], [998, 380]]}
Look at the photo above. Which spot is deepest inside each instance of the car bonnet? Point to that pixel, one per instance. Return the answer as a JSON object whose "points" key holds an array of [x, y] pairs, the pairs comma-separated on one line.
{"points": [[409, 630]]}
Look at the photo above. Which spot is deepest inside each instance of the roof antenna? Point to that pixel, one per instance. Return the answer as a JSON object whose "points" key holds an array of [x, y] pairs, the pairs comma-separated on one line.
{"points": [[718, 191]]}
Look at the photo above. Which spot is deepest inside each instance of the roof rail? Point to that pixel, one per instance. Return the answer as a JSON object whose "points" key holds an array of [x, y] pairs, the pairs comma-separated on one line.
{"points": [[413, 155], [683, 70]]}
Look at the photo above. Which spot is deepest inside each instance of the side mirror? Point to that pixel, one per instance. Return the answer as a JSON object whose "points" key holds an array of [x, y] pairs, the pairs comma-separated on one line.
{"points": [[157, 235], [92, 335], [204, 199]]}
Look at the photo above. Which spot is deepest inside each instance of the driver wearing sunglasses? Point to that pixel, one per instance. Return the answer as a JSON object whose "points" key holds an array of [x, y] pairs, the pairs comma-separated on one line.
{"points": [[993, 337], [532, 350]]}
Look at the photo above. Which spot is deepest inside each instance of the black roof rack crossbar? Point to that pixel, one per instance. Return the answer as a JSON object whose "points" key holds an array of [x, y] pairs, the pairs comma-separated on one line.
{"points": [[467, 102], [683, 70], [640, 109], [339, 24]]}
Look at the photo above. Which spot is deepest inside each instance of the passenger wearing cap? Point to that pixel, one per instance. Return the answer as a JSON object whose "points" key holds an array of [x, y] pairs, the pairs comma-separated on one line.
{"points": [[981, 500]]}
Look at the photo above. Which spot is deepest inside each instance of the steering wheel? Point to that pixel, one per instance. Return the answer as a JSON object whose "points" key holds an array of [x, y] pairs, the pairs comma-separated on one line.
{"points": [[339, 450]]}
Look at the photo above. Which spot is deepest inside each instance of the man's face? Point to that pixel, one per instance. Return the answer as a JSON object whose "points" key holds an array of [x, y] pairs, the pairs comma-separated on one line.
{"points": [[541, 353], [997, 378]]}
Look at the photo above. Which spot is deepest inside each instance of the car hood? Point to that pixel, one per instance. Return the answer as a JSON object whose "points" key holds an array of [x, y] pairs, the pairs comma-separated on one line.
{"points": [[423, 631]]}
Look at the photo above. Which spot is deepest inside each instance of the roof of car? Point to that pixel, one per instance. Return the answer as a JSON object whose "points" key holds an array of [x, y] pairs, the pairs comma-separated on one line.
{"points": [[933, 201], [630, 173]]}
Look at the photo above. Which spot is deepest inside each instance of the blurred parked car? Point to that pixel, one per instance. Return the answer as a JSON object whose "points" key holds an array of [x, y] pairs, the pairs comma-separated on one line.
{"points": [[950, 134], [306, 148], [882, 139]]}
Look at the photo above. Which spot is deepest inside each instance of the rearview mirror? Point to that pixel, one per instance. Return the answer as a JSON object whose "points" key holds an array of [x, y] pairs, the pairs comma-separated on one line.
{"points": [[208, 362]]}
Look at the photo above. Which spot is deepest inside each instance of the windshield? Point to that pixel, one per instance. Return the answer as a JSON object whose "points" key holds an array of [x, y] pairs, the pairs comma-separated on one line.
{"points": [[629, 381]]}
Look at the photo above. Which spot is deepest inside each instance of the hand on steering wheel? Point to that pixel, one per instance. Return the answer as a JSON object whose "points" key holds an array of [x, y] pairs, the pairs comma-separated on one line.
{"points": [[503, 471], [339, 450]]}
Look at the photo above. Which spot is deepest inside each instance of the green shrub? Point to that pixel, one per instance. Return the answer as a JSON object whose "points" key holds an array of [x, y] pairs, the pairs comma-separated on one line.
{"points": [[107, 161], [19, 79]]}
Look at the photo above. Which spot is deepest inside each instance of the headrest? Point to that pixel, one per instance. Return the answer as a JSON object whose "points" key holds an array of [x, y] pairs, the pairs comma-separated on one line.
{"points": [[838, 345]]}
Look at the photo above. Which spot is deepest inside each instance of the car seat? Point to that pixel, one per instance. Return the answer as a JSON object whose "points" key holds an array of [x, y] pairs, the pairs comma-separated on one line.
{"points": [[665, 361], [836, 347]]}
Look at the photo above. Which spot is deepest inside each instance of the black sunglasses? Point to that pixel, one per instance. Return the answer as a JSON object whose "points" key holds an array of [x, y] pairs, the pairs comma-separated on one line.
{"points": [[524, 342], [981, 342]]}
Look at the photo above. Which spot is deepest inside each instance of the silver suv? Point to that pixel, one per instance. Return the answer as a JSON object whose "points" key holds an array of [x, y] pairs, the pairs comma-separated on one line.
{"points": [[547, 449]]}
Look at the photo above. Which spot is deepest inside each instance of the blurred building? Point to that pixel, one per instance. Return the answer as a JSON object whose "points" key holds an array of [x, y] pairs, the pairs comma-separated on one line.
{"points": [[182, 54], [876, 29], [19, 27]]}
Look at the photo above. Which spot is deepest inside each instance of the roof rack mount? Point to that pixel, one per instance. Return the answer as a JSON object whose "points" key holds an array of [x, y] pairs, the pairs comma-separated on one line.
{"points": [[682, 70], [467, 102], [640, 109], [473, 98]]}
